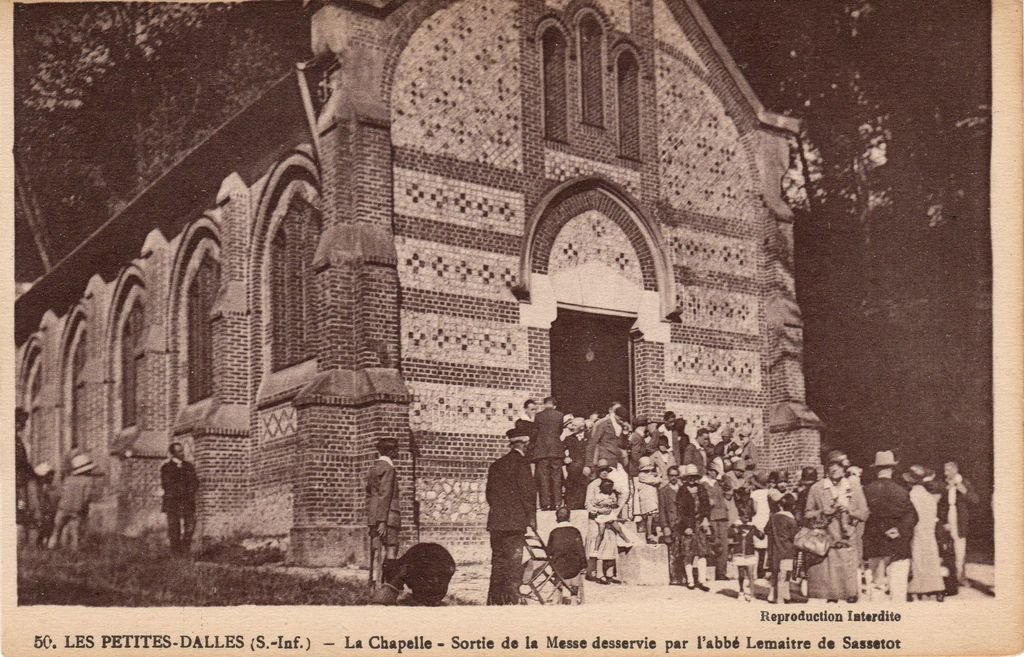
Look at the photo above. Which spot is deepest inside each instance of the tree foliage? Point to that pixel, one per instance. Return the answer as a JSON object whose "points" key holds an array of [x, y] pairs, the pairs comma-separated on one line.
{"points": [[109, 95], [893, 253]]}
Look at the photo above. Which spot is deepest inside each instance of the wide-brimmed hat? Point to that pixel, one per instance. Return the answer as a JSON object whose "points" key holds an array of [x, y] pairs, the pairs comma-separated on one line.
{"points": [[567, 421], [81, 463], [518, 435], [918, 474], [808, 475], [43, 469], [885, 459], [645, 463], [835, 456], [689, 471], [387, 444], [603, 465]]}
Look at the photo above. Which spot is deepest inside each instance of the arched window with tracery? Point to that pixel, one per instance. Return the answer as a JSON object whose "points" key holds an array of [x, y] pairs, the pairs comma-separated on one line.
{"points": [[553, 54], [132, 353], [78, 410], [628, 88], [292, 250], [201, 295], [591, 78]]}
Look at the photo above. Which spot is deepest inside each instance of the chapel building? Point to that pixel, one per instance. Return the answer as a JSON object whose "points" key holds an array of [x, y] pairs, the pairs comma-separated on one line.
{"points": [[455, 205]]}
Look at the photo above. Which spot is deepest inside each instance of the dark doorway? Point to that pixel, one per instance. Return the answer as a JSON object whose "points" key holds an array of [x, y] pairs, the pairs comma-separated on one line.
{"points": [[590, 361]]}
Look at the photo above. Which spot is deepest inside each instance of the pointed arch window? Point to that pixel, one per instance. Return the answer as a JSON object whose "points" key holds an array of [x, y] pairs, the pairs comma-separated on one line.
{"points": [[132, 353], [35, 411], [553, 55], [591, 79], [78, 392], [292, 250], [201, 295], [628, 91]]}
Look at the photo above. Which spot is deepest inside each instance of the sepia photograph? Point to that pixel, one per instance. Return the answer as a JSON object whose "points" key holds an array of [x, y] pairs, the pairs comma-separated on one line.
{"points": [[626, 305]]}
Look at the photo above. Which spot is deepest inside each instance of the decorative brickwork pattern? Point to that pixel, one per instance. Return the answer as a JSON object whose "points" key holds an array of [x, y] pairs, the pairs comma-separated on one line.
{"points": [[276, 423], [446, 499], [447, 339], [456, 91], [719, 310], [462, 409], [670, 35], [593, 237], [455, 270], [699, 415], [426, 196], [703, 167], [708, 252], [618, 12], [563, 166], [710, 366]]}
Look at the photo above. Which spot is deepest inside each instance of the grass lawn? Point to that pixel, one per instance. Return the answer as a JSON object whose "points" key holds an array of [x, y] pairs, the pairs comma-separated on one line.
{"points": [[118, 571]]}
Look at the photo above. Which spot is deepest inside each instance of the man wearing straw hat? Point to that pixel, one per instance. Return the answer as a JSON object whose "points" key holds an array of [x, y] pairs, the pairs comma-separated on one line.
{"points": [[383, 509], [512, 497], [77, 493], [889, 528]]}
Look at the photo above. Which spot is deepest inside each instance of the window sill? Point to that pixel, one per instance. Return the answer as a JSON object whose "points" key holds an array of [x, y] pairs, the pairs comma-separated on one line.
{"points": [[284, 384]]}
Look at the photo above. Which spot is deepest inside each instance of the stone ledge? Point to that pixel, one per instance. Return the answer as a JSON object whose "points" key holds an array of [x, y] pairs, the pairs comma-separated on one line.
{"points": [[209, 417], [792, 415], [350, 244], [282, 385], [355, 388], [132, 443]]}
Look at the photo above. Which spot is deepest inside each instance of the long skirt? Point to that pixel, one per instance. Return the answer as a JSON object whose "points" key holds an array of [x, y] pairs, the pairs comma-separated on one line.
{"points": [[835, 577], [925, 564]]}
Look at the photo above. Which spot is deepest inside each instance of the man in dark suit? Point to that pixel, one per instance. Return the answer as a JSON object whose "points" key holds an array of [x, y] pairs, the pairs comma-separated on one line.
{"points": [[383, 509], [548, 454], [511, 495], [566, 551], [575, 448], [694, 453], [180, 483], [606, 437], [668, 520], [889, 528]]}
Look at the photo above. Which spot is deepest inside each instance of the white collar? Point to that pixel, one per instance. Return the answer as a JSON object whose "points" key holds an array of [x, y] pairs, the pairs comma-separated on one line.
{"points": [[386, 459], [786, 513], [176, 461], [521, 450], [564, 523]]}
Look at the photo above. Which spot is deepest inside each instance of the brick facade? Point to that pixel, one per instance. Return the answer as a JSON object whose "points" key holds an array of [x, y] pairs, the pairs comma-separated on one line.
{"points": [[400, 277]]}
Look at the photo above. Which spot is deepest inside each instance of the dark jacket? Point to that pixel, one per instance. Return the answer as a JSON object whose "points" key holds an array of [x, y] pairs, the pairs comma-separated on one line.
{"points": [[889, 506], [565, 548], [576, 446], [511, 494], [668, 510], [716, 496], [639, 446], [180, 484], [603, 443], [382, 501], [692, 511], [781, 531], [549, 431], [695, 455], [963, 506]]}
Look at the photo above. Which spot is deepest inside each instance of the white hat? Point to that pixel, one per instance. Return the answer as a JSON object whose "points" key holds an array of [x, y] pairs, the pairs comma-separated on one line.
{"points": [[884, 459], [81, 463], [646, 462], [43, 469]]}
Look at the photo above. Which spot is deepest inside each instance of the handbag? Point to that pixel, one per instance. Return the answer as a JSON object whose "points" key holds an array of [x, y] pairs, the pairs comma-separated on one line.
{"points": [[815, 541]]}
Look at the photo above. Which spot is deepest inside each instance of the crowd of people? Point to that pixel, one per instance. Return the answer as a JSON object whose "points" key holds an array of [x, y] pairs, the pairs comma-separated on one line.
{"points": [[53, 514], [721, 514]]}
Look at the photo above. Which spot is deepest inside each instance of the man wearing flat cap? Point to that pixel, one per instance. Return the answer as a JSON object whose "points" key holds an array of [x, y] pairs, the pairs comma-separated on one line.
{"points": [[383, 509], [512, 497]]}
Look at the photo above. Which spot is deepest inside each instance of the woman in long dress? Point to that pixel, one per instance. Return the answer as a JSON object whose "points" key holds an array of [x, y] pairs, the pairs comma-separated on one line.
{"points": [[834, 505], [925, 564], [602, 546]]}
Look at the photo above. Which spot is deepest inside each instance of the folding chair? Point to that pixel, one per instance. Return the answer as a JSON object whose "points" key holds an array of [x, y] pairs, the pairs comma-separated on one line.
{"points": [[540, 581]]}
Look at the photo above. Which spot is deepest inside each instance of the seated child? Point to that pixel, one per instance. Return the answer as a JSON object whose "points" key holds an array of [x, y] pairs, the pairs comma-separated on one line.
{"points": [[647, 485], [604, 510], [567, 553], [744, 554]]}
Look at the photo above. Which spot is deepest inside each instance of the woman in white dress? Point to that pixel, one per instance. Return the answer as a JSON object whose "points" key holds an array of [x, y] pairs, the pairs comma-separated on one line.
{"points": [[762, 513], [925, 564]]}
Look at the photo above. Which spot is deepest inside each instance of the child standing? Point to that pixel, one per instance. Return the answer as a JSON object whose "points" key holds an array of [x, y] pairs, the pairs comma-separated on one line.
{"points": [[744, 551], [77, 493], [781, 530], [648, 481]]}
